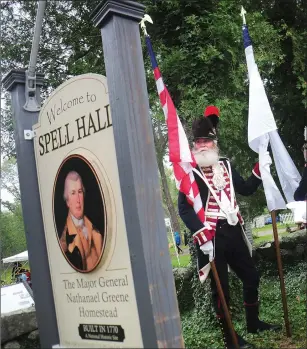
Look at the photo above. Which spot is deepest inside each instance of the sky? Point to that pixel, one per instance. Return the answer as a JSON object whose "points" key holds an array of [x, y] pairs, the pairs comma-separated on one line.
{"points": [[4, 195]]}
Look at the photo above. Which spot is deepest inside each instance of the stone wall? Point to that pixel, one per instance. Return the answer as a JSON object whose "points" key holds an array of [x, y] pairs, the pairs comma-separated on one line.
{"points": [[293, 248], [25, 341], [19, 329]]}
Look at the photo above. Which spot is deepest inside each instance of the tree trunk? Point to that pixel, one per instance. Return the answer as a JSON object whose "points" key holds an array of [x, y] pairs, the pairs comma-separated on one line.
{"points": [[161, 143], [168, 198]]}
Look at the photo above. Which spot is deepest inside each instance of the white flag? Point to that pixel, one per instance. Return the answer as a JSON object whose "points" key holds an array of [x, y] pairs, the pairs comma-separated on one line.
{"points": [[262, 129], [288, 174]]}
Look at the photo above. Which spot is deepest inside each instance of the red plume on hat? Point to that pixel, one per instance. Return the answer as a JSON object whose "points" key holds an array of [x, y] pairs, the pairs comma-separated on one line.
{"points": [[213, 113]]}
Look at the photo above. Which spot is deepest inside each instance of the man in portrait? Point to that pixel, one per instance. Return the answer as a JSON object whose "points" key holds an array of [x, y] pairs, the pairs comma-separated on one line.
{"points": [[80, 241]]}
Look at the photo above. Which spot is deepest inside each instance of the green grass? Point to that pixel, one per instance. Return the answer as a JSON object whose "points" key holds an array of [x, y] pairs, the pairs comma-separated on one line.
{"points": [[6, 278], [269, 227], [267, 238], [184, 261]]}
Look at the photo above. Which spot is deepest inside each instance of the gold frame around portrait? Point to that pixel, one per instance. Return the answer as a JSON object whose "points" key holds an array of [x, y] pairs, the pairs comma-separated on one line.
{"points": [[105, 232]]}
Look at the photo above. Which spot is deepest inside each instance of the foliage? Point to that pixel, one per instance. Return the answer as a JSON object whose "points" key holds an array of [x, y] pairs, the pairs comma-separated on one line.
{"points": [[7, 143], [199, 325], [200, 52], [200, 328], [13, 239], [70, 45], [201, 56], [10, 183], [173, 191], [182, 277], [202, 59], [183, 259]]}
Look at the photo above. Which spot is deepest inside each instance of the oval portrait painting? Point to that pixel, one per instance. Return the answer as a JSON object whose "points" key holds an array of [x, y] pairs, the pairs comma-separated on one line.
{"points": [[79, 214]]}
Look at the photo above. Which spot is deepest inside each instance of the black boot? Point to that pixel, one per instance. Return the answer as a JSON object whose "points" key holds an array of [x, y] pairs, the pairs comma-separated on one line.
{"points": [[228, 339], [253, 323]]}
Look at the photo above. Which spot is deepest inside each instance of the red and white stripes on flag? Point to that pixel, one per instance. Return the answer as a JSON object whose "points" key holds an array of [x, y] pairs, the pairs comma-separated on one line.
{"points": [[179, 151]]}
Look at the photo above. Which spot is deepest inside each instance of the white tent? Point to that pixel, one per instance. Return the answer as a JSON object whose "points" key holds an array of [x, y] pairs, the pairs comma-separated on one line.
{"points": [[20, 257]]}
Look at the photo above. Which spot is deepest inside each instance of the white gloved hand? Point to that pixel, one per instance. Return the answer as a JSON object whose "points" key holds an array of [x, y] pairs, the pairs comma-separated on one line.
{"points": [[207, 249]]}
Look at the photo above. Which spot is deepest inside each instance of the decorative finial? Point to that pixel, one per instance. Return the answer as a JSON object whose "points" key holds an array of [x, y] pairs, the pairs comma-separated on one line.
{"points": [[242, 14], [146, 18]]}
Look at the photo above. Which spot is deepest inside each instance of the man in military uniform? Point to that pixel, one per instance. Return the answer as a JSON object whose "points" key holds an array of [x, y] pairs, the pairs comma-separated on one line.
{"points": [[80, 241], [221, 234]]}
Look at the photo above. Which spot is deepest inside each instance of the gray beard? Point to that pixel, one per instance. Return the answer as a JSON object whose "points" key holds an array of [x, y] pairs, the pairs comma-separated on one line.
{"points": [[206, 158]]}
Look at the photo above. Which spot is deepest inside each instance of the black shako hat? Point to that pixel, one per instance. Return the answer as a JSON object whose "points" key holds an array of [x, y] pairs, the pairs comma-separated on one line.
{"points": [[203, 128]]}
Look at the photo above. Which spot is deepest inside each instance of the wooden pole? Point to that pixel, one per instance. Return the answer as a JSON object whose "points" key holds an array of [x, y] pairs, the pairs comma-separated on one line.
{"points": [[224, 305], [152, 271], [281, 274], [23, 120]]}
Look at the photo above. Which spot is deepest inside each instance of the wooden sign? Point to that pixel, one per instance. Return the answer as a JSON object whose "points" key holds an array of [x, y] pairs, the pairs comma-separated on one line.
{"points": [[83, 217]]}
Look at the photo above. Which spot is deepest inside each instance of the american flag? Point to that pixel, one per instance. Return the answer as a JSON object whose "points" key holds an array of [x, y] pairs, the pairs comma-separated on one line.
{"points": [[180, 154]]}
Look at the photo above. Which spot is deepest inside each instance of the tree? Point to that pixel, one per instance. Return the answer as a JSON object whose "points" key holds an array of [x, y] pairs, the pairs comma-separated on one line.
{"points": [[13, 239], [75, 58], [200, 52], [193, 37], [161, 141], [10, 183], [202, 60], [7, 143], [69, 45]]}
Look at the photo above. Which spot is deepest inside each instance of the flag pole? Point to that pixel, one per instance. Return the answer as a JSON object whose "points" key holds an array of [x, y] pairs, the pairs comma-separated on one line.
{"points": [[224, 304], [147, 18], [281, 274], [273, 192]]}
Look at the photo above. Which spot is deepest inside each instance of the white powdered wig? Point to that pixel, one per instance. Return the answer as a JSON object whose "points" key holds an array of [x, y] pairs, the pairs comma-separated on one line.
{"points": [[72, 176]]}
